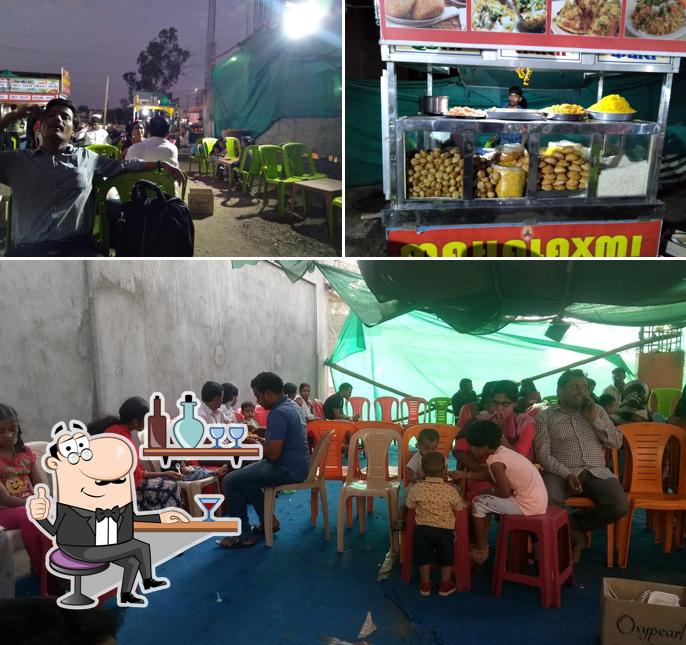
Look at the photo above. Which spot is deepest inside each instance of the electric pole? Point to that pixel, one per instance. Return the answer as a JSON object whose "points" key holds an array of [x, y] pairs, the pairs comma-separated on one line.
{"points": [[107, 96], [208, 112]]}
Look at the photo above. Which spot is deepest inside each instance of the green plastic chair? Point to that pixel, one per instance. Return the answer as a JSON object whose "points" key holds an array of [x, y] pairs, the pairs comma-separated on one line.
{"points": [[438, 407], [664, 398], [249, 169], [300, 162], [275, 171], [124, 184], [233, 148], [202, 154], [105, 149], [336, 202], [551, 399]]}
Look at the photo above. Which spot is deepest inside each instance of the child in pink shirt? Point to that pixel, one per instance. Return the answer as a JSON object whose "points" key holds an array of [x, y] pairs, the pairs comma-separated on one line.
{"points": [[518, 489], [19, 472]]}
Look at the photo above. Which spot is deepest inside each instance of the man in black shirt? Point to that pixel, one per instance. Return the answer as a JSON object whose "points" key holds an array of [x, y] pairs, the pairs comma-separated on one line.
{"points": [[333, 406], [465, 394]]}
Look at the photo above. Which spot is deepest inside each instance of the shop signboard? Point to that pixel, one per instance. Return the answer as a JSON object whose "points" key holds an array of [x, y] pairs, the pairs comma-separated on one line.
{"points": [[656, 27], [570, 239], [65, 83]]}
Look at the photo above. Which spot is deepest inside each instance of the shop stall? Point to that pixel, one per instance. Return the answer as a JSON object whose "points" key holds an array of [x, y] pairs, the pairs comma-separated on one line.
{"points": [[572, 180]]}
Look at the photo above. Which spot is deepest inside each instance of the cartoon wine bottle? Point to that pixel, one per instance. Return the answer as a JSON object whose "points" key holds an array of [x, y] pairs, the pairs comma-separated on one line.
{"points": [[188, 430], [158, 422]]}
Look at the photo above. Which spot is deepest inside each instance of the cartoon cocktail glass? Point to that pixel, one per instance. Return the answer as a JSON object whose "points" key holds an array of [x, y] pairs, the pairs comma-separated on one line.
{"points": [[209, 504], [237, 432], [217, 432]]}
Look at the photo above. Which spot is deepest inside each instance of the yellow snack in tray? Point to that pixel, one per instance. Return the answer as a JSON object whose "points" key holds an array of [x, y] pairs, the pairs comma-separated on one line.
{"points": [[565, 108], [612, 104]]}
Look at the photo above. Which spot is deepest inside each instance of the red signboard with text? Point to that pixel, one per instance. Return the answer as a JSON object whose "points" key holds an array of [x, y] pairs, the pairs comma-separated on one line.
{"points": [[574, 239], [616, 26]]}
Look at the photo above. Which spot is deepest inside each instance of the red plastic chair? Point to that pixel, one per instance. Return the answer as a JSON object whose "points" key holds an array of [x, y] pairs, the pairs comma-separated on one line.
{"points": [[358, 405], [317, 409], [555, 553], [463, 573], [416, 408], [239, 417], [386, 404], [261, 414]]}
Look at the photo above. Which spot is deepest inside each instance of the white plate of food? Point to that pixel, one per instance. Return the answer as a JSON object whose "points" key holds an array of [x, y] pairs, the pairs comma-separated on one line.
{"points": [[600, 18], [422, 13], [645, 19]]}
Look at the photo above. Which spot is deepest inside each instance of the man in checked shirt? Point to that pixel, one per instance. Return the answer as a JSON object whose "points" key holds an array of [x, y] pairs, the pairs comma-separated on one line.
{"points": [[570, 443]]}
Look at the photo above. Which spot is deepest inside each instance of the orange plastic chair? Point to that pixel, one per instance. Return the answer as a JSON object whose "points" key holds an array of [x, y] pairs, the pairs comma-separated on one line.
{"points": [[587, 502], [376, 442], [647, 443], [316, 481], [386, 404], [359, 404], [333, 461], [414, 410], [446, 434]]}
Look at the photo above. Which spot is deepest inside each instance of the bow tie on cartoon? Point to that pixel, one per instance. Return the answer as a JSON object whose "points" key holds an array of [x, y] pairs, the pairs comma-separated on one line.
{"points": [[102, 513]]}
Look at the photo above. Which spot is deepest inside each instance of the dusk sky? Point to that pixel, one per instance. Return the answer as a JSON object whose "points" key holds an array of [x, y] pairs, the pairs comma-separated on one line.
{"points": [[94, 38]]}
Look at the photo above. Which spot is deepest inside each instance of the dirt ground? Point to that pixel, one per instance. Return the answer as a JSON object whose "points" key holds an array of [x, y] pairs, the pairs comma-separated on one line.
{"points": [[365, 235], [240, 227]]}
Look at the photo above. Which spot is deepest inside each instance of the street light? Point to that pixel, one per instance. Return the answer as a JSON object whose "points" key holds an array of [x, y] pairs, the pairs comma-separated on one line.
{"points": [[301, 19]]}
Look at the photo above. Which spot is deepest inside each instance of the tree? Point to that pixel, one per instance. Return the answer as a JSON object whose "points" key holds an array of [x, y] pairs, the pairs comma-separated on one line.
{"points": [[159, 65]]}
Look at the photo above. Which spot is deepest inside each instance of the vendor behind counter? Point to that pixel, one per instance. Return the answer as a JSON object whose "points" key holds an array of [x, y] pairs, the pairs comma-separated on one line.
{"points": [[515, 100]]}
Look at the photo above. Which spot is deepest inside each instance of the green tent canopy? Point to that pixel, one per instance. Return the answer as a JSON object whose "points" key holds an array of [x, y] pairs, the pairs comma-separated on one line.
{"points": [[272, 77]]}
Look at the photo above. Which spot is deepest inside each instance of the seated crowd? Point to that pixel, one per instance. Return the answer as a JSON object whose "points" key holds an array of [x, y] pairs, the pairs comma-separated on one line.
{"points": [[510, 462], [52, 185]]}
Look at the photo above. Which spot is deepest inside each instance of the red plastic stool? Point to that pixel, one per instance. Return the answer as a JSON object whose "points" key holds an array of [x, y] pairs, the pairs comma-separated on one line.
{"points": [[463, 572], [555, 553]]}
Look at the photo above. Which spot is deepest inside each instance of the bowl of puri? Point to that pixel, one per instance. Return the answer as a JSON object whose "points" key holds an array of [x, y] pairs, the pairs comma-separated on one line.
{"points": [[612, 108]]}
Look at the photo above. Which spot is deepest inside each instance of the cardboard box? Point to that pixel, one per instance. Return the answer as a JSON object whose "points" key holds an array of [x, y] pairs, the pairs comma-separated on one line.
{"points": [[201, 201], [624, 621]]}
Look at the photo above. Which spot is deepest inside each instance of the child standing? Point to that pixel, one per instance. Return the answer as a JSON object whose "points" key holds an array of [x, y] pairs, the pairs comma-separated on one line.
{"points": [[19, 472], [518, 489], [435, 502]]}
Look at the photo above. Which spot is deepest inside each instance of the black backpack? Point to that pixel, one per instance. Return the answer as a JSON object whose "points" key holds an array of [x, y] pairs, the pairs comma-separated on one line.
{"points": [[160, 226]]}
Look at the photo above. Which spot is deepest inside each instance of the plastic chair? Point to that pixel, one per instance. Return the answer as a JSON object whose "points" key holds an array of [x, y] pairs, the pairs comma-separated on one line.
{"points": [[555, 553], [124, 184], [333, 460], [647, 443], [233, 149], [275, 171], [316, 481], [664, 399], [439, 405], [462, 565], [413, 404], [376, 443], [300, 162], [261, 414], [386, 404], [336, 202], [550, 399], [202, 155], [65, 565], [249, 169], [359, 404], [446, 434], [105, 149]]}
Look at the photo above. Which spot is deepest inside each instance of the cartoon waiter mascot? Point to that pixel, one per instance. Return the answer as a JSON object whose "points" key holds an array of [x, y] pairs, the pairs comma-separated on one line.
{"points": [[95, 511]]}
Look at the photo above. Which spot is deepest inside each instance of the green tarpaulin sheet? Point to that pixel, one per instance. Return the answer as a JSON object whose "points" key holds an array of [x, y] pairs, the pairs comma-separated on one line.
{"points": [[272, 77], [485, 88], [419, 354]]}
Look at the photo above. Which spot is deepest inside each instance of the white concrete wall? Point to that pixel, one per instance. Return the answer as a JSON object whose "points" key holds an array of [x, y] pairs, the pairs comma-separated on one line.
{"points": [[80, 337]]}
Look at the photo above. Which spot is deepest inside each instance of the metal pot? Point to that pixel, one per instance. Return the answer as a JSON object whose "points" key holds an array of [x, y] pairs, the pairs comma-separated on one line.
{"points": [[433, 104]]}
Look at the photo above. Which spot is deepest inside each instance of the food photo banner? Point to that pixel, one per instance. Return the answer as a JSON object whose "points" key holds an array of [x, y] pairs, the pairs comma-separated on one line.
{"points": [[615, 26]]}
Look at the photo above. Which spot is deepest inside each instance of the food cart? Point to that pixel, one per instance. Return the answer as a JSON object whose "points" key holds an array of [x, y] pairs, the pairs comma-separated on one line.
{"points": [[606, 205]]}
